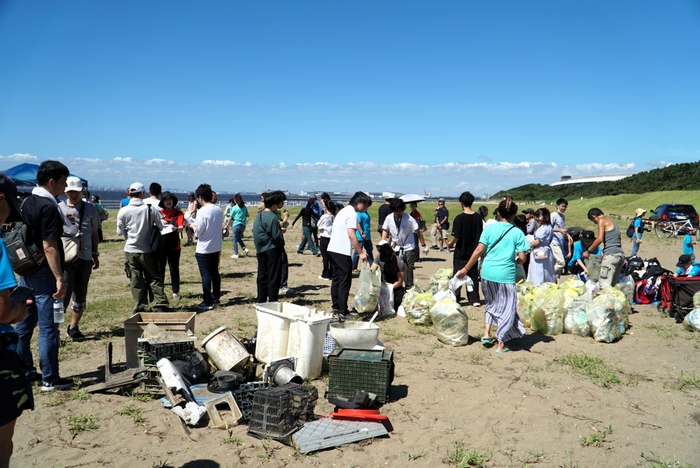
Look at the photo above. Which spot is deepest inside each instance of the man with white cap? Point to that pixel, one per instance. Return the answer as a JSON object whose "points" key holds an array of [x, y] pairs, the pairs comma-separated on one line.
{"points": [[135, 222], [85, 222]]}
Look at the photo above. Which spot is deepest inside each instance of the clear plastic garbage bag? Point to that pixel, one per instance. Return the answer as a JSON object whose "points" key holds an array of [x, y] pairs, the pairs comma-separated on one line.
{"points": [[440, 279], [418, 309], [692, 320], [450, 322], [386, 299], [525, 296], [547, 312], [368, 286], [576, 319], [604, 320]]}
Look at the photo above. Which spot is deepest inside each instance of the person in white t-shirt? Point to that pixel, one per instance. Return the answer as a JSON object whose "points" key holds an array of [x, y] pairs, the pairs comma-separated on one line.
{"points": [[343, 241], [207, 227], [402, 227], [154, 191]]}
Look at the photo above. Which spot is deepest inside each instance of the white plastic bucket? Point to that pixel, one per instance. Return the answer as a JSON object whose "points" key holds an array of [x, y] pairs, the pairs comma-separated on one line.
{"points": [[286, 329], [225, 351]]}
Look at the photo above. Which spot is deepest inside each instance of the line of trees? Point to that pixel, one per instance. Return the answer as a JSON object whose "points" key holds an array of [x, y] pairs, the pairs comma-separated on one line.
{"points": [[685, 176]]}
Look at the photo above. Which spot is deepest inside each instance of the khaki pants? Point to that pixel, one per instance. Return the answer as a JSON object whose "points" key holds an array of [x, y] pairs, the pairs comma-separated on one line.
{"points": [[559, 260], [143, 270], [437, 235], [610, 268]]}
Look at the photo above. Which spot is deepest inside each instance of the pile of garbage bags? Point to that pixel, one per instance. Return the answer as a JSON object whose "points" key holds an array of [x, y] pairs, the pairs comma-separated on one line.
{"points": [[437, 306], [569, 307]]}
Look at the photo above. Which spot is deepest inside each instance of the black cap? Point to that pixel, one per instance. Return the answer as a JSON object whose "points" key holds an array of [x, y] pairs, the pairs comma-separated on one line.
{"points": [[684, 260], [587, 236], [529, 210], [9, 189]]}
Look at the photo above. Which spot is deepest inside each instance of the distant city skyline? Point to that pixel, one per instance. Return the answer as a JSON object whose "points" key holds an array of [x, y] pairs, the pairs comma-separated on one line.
{"points": [[350, 95]]}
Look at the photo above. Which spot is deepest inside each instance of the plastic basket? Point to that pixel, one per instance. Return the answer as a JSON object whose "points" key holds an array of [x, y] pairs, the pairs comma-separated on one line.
{"points": [[166, 350], [360, 369], [244, 395], [272, 415], [304, 398]]}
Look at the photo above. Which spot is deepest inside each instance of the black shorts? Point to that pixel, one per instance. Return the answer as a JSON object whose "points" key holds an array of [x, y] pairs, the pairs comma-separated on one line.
{"points": [[15, 388]]}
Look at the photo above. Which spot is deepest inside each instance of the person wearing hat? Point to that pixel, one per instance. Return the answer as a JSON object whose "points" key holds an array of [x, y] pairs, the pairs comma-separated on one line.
{"points": [[439, 231], [687, 267], [689, 242], [531, 223], [85, 222], [135, 223], [174, 223], [638, 224], [15, 387], [577, 265], [392, 268]]}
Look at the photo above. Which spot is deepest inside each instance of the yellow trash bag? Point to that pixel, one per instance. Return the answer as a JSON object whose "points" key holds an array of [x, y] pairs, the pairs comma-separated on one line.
{"points": [[450, 322], [368, 288], [525, 296], [547, 313], [603, 316], [439, 280]]}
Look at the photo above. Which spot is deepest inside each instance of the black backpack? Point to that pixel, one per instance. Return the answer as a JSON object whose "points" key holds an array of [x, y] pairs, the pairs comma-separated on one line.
{"points": [[630, 229], [632, 265]]}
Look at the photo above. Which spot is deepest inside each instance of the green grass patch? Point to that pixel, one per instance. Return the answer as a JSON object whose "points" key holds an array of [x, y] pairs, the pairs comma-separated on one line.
{"points": [[135, 413], [82, 423], [664, 331], [594, 367], [655, 461], [597, 439], [684, 382], [463, 457]]}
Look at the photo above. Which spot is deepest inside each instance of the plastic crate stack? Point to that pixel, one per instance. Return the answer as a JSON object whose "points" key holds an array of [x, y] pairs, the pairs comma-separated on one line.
{"points": [[244, 396], [277, 412]]}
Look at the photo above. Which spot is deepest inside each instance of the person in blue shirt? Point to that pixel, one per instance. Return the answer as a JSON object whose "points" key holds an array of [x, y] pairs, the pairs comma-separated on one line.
{"points": [[687, 267], [638, 230], [688, 243], [577, 264], [15, 386], [364, 237]]}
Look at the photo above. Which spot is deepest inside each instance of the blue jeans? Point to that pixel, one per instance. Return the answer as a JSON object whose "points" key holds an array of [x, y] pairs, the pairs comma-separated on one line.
{"points": [[635, 247], [211, 279], [367, 244], [41, 312], [237, 237]]}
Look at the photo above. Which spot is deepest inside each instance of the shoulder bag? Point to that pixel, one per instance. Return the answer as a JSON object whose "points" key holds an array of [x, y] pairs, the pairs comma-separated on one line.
{"points": [[499, 240], [157, 242], [71, 244]]}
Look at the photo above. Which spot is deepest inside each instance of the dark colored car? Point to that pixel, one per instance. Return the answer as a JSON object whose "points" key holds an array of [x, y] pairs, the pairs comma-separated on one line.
{"points": [[675, 212]]}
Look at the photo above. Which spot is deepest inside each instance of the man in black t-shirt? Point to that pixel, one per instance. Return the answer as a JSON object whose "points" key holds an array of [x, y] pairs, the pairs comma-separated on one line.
{"points": [[466, 231], [45, 223], [439, 231]]}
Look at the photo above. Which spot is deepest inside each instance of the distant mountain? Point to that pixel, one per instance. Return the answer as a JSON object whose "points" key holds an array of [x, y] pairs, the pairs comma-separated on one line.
{"points": [[684, 176]]}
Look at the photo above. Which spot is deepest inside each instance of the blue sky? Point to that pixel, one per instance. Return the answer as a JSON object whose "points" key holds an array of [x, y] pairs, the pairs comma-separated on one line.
{"points": [[349, 95]]}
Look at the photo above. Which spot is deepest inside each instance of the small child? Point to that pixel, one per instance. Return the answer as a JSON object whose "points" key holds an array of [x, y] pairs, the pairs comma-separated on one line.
{"points": [[688, 243], [577, 265], [687, 267]]}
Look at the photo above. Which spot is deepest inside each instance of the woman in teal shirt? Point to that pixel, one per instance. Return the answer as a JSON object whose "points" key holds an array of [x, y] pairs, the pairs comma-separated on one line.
{"points": [[239, 217], [503, 247]]}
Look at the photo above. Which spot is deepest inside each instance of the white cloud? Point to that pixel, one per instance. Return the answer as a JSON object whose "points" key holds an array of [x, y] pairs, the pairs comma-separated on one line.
{"points": [[445, 178], [20, 158]]}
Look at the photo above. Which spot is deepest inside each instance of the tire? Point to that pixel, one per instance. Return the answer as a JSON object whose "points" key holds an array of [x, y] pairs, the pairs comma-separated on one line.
{"points": [[663, 229]]}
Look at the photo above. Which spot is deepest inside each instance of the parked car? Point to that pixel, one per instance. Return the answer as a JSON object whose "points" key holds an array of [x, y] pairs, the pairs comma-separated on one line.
{"points": [[675, 212]]}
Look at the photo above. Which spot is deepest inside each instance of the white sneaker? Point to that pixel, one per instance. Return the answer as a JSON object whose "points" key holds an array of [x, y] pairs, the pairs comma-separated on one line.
{"points": [[322, 278], [283, 291], [234, 256], [245, 252], [176, 297]]}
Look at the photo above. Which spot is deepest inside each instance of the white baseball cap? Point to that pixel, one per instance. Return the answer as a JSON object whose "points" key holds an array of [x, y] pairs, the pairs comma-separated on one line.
{"points": [[136, 187], [74, 184]]}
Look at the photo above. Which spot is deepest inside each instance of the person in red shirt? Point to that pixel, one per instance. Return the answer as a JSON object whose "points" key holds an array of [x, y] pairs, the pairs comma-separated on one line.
{"points": [[174, 224]]}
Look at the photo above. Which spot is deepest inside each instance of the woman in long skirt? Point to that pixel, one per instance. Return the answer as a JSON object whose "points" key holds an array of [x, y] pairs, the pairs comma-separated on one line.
{"points": [[502, 246], [541, 257]]}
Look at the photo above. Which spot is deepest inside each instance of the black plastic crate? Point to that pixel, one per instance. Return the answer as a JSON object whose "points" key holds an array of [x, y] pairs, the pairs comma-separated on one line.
{"points": [[272, 414], [360, 369], [244, 395], [304, 399], [171, 351]]}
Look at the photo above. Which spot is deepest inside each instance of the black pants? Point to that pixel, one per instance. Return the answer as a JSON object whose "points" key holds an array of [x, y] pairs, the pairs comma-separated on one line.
{"points": [[473, 274], [284, 266], [326, 273], [341, 269], [172, 258], [270, 271], [211, 279]]}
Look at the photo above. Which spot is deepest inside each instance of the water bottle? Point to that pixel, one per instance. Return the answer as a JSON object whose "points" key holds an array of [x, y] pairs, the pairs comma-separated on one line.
{"points": [[58, 313]]}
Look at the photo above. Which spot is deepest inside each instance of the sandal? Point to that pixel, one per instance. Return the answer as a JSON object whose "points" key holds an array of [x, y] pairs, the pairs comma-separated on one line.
{"points": [[502, 351], [486, 340]]}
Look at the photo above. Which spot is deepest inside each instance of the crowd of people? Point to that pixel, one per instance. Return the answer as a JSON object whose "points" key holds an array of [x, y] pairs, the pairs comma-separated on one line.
{"points": [[495, 252]]}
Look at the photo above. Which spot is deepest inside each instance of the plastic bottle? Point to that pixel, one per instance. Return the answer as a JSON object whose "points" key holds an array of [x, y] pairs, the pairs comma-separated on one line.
{"points": [[58, 312]]}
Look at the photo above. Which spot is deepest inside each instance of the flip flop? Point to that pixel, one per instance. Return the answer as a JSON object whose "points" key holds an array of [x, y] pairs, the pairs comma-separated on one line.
{"points": [[504, 350], [486, 340]]}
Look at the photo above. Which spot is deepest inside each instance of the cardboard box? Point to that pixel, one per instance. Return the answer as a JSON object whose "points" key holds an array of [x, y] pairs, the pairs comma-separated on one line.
{"points": [[136, 324]]}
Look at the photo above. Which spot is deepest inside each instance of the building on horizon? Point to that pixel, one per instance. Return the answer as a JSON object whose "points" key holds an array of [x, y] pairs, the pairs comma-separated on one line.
{"points": [[568, 180]]}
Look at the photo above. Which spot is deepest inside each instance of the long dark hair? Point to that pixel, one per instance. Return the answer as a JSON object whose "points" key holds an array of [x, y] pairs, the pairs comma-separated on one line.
{"points": [[546, 217], [238, 200]]}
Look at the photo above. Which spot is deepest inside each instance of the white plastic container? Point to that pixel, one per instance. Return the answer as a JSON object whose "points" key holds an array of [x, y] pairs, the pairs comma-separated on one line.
{"points": [[225, 350], [357, 335], [286, 329]]}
